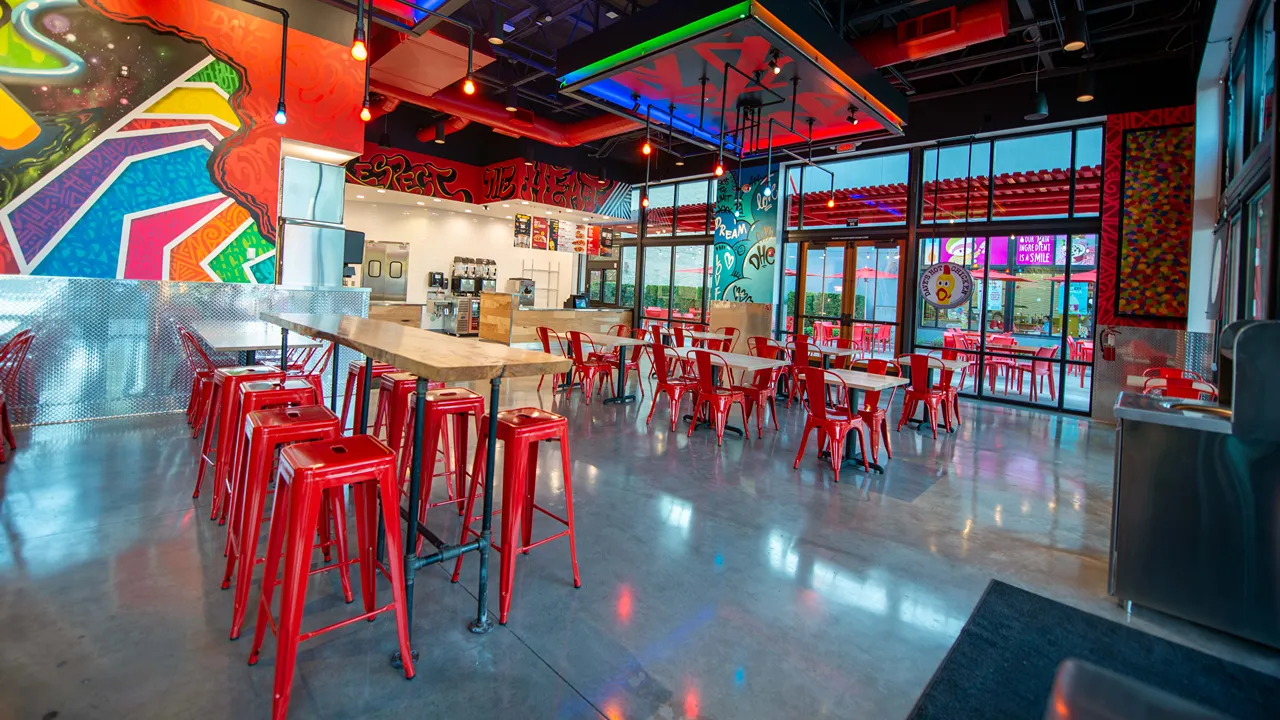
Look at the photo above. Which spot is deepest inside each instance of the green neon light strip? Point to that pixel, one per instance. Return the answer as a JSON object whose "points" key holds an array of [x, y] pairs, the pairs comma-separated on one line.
{"points": [[736, 12]]}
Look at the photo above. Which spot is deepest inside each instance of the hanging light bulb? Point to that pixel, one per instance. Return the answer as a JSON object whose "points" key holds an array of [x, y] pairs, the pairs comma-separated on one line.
{"points": [[646, 149], [365, 115], [831, 201], [768, 191], [359, 51], [644, 201], [719, 170], [469, 87], [280, 116]]}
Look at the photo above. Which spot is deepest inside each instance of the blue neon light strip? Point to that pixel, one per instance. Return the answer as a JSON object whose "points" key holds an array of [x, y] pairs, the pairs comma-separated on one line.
{"points": [[615, 93]]}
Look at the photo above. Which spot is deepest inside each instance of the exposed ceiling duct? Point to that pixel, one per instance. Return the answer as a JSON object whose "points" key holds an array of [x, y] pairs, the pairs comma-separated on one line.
{"points": [[451, 126], [475, 108], [936, 33]]}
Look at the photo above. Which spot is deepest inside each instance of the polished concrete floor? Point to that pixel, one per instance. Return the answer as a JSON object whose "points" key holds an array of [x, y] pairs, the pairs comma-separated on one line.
{"points": [[717, 582]]}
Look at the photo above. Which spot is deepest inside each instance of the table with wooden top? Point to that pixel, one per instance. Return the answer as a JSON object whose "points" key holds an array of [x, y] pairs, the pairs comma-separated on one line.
{"points": [[862, 382], [246, 338], [429, 356], [737, 361], [620, 344]]}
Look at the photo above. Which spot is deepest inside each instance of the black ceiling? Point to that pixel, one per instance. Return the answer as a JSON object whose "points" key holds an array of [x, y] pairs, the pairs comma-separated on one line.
{"points": [[1143, 55]]}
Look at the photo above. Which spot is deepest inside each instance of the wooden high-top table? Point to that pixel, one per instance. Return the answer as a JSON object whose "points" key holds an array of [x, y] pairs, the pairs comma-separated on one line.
{"points": [[430, 356]]}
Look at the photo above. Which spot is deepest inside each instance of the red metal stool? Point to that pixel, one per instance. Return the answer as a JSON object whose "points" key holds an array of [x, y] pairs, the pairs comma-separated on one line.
{"points": [[265, 432], [254, 396], [306, 470], [355, 388], [460, 404], [520, 431], [217, 413], [394, 390]]}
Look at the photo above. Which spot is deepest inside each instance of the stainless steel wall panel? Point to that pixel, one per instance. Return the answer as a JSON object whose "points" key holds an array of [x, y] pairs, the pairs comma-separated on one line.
{"points": [[106, 347], [1138, 349]]}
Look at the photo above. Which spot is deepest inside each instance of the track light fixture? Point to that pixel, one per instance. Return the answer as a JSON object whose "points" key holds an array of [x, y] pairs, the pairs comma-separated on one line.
{"points": [[496, 34], [1075, 31], [853, 118], [774, 57], [1085, 90], [439, 132]]}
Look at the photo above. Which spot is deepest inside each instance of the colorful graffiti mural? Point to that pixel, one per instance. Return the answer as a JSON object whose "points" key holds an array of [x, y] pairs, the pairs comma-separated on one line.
{"points": [[411, 172], [139, 140], [746, 237]]}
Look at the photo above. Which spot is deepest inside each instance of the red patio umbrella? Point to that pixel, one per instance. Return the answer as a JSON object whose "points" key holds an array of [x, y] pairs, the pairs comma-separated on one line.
{"points": [[996, 275], [866, 273], [1090, 277]]}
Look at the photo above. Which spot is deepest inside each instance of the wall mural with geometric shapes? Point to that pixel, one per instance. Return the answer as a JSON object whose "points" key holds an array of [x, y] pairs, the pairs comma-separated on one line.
{"points": [[138, 140], [1155, 234]]}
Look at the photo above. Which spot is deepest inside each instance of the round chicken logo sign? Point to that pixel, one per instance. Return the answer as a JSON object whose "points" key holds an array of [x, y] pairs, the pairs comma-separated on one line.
{"points": [[946, 285]]}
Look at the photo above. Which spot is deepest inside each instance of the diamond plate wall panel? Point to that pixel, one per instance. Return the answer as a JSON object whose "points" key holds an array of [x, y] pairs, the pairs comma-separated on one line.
{"points": [[1138, 349], [106, 348]]}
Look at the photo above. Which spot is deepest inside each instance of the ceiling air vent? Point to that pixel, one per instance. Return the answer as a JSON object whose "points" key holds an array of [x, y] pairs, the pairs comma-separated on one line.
{"points": [[928, 26]]}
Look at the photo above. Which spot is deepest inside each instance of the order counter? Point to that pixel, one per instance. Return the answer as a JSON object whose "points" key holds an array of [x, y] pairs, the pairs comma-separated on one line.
{"points": [[503, 320]]}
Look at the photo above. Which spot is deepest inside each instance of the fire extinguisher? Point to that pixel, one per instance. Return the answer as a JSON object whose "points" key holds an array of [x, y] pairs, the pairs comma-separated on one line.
{"points": [[1108, 340]]}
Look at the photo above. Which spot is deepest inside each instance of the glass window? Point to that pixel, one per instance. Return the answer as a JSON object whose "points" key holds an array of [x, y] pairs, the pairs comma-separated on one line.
{"points": [[689, 283], [657, 282], [792, 189], [1088, 172], [1256, 260], [627, 277], [691, 209], [823, 288], [1031, 178], [610, 286], [1264, 53], [375, 268], [662, 200], [790, 269], [950, 191], [593, 286], [933, 322], [876, 284], [395, 269], [868, 191], [1235, 111]]}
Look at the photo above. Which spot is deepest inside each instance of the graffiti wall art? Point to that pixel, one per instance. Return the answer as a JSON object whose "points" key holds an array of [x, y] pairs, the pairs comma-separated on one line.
{"points": [[411, 172], [138, 139], [746, 237]]}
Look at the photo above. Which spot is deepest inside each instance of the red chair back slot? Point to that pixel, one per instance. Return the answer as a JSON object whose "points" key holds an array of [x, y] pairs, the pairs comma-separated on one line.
{"points": [[876, 366]]}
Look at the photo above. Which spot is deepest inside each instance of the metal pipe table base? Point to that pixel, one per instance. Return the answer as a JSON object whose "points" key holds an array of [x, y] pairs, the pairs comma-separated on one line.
{"points": [[619, 397]]}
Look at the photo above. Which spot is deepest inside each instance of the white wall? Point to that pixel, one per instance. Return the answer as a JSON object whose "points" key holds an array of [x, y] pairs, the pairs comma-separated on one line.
{"points": [[436, 236]]}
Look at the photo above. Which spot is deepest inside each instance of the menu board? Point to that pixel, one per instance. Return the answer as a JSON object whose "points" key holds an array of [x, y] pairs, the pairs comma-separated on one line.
{"points": [[593, 241], [524, 231], [606, 242], [579, 238], [540, 229], [553, 235]]}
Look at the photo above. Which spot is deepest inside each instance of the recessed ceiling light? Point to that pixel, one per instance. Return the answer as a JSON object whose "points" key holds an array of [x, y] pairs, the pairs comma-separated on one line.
{"points": [[508, 217], [467, 210], [524, 202], [421, 203], [435, 199], [505, 205], [548, 212], [381, 190], [359, 197]]}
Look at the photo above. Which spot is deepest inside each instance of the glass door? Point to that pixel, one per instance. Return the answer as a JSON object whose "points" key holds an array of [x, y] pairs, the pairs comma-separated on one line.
{"points": [[849, 290], [823, 291]]}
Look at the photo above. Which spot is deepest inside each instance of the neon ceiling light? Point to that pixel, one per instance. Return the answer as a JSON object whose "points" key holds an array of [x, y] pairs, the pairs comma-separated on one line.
{"points": [[697, 27], [614, 92]]}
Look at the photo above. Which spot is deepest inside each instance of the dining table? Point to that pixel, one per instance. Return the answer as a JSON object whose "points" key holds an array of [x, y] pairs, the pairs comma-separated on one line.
{"points": [[861, 382], [429, 356], [244, 337], [734, 361], [619, 344]]}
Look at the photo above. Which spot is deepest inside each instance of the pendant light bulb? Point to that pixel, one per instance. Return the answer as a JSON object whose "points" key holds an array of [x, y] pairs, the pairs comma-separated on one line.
{"points": [[768, 191], [280, 116], [719, 170], [359, 52], [469, 87], [365, 115], [831, 201], [646, 149], [644, 202]]}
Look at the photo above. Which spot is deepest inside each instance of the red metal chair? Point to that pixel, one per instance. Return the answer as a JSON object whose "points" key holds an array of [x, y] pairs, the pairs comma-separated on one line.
{"points": [[633, 363], [919, 391], [998, 364], [312, 367], [717, 400], [1084, 349], [353, 395], [799, 364], [832, 423], [12, 357], [732, 332], [665, 362], [202, 369], [947, 381], [306, 471], [876, 418], [884, 337], [1181, 388], [1039, 368], [520, 431], [547, 337], [1168, 372], [763, 388], [266, 431], [588, 368], [843, 362]]}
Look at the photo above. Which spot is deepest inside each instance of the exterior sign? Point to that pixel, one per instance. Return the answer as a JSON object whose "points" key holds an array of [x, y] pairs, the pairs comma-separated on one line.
{"points": [[946, 285]]}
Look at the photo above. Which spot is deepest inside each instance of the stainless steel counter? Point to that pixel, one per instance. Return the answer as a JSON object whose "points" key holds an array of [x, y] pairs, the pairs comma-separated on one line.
{"points": [[1173, 412], [107, 347]]}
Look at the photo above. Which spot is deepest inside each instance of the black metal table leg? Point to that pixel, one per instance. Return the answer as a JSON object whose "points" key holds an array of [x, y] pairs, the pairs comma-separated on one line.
{"points": [[410, 538], [284, 351], [715, 379], [333, 380], [250, 357], [850, 459], [482, 623], [618, 397]]}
